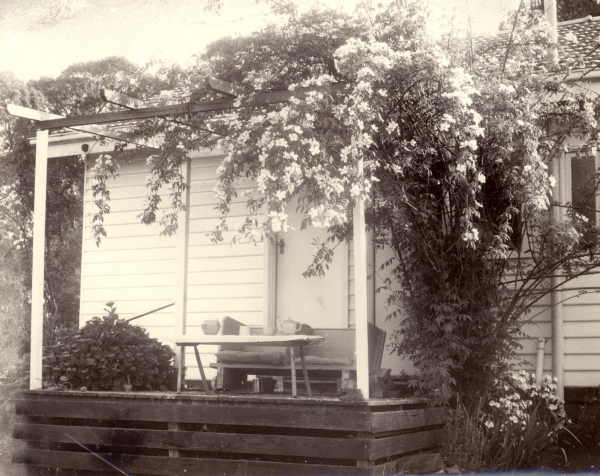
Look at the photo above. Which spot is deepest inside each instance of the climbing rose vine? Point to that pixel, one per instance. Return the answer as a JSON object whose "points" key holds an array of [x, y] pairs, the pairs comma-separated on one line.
{"points": [[451, 143]]}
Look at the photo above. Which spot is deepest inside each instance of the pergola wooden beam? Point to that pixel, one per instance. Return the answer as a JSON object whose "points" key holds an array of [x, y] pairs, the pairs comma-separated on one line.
{"points": [[261, 99], [38, 116]]}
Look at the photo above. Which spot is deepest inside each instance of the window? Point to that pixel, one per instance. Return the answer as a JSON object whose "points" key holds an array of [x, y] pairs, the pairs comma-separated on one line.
{"points": [[583, 187]]}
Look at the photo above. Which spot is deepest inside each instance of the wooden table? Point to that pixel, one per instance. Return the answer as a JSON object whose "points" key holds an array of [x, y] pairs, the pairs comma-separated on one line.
{"points": [[291, 342]]}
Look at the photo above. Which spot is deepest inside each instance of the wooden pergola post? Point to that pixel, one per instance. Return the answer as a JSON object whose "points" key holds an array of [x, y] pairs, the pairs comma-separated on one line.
{"points": [[181, 263], [360, 294], [559, 195], [37, 273]]}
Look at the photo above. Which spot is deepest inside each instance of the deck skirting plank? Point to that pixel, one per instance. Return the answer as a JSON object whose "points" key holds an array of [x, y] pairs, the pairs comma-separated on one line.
{"points": [[218, 413], [407, 443], [237, 443], [160, 466], [171, 434], [397, 420]]}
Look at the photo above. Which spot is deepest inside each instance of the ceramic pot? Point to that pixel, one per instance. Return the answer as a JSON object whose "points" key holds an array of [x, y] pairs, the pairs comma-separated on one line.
{"points": [[289, 327], [211, 327]]}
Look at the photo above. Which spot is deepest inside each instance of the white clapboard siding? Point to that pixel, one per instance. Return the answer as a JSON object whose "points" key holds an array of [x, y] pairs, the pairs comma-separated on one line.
{"points": [[581, 324], [391, 360], [135, 266], [226, 278]]}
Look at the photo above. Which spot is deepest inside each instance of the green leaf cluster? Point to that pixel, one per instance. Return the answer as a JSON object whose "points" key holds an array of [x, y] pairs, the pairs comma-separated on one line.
{"points": [[107, 353]]}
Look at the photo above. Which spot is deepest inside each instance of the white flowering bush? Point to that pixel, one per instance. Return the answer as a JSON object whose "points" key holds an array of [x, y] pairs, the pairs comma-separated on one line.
{"points": [[518, 426]]}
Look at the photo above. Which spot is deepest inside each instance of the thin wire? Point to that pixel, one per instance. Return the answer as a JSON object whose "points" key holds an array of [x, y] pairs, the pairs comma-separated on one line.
{"points": [[116, 139], [100, 457]]}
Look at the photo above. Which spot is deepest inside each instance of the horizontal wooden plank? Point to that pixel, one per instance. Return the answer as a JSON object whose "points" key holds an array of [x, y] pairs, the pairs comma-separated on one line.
{"points": [[261, 98], [581, 329], [574, 362], [580, 312], [221, 250], [239, 443], [133, 307], [582, 379], [137, 164], [149, 241], [216, 278], [131, 215], [168, 466], [208, 411], [128, 189], [591, 298], [199, 265], [135, 291], [398, 420], [225, 263], [582, 345], [406, 443], [119, 281], [130, 256], [202, 291]]}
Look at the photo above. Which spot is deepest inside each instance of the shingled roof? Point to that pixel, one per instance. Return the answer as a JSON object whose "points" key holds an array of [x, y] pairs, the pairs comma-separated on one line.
{"points": [[585, 52]]}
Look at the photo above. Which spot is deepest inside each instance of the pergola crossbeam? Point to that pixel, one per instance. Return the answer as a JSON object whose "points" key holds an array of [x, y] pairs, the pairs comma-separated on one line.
{"points": [[37, 115], [261, 99]]}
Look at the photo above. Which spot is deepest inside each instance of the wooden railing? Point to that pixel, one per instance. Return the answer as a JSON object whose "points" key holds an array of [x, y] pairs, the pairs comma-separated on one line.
{"points": [[164, 434]]}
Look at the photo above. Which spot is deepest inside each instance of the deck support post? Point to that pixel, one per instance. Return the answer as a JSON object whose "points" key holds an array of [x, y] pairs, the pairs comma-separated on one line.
{"points": [[360, 294], [37, 272], [183, 233]]}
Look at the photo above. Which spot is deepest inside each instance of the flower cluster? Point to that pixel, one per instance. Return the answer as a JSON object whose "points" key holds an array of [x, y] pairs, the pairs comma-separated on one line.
{"points": [[519, 402]]}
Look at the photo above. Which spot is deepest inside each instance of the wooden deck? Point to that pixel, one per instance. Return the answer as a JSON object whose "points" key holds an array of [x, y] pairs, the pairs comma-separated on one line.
{"points": [[145, 434]]}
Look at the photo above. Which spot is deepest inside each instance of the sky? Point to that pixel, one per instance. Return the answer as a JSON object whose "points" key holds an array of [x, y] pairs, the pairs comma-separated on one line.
{"points": [[43, 37]]}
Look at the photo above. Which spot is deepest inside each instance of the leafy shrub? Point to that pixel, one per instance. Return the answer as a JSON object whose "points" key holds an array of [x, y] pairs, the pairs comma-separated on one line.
{"points": [[516, 427], [107, 353]]}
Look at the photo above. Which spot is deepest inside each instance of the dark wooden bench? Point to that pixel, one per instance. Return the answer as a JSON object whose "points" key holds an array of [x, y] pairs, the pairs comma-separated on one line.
{"points": [[330, 361]]}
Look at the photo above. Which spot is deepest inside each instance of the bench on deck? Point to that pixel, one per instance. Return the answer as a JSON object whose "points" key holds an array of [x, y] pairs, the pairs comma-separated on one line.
{"points": [[331, 361]]}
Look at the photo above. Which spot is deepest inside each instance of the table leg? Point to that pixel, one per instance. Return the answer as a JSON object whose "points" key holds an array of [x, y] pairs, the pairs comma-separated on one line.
{"points": [[304, 371], [293, 368], [205, 382], [181, 368]]}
